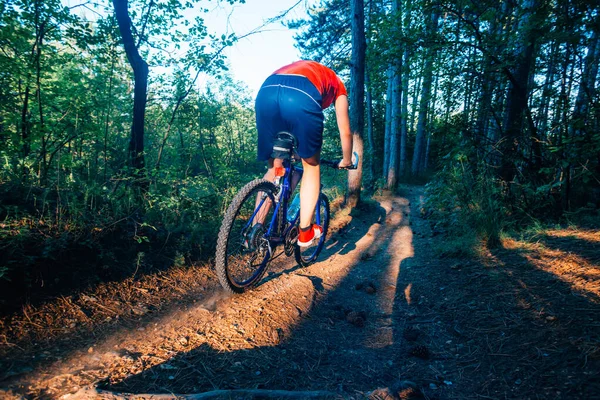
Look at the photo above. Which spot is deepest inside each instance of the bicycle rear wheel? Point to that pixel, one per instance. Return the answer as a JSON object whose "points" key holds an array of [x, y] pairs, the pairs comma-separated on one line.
{"points": [[305, 256], [243, 248]]}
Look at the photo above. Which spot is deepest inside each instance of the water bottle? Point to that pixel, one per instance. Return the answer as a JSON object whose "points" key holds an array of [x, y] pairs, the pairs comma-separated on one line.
{"points": [[294, 208]]}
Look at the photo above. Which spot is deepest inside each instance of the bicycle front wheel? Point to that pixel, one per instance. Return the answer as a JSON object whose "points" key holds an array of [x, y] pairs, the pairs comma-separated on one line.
{"points": [[305, 256], [243, 246]]}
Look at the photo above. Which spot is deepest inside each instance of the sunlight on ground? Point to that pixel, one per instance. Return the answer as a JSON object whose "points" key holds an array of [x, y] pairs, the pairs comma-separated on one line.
{"points": [[575, 270], [398, 249], [407, 293], [263, 317], [590, 236]]}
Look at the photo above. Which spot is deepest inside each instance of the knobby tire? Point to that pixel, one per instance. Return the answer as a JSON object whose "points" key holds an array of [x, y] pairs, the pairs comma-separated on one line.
{"points": [[223, 239]]}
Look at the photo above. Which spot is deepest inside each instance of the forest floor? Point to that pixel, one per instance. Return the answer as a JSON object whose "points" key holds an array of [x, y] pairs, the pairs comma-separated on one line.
{"points": [[379, 316]]}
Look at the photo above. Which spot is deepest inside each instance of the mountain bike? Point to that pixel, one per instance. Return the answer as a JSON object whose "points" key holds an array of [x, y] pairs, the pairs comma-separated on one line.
{"points": [[258, 221]]}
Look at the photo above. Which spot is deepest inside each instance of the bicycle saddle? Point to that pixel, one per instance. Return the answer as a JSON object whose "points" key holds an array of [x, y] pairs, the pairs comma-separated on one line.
{"points": [[283, 146]]}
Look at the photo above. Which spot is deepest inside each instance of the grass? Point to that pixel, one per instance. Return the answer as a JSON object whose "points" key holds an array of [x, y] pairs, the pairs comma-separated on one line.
{"points": [[467, 245]]}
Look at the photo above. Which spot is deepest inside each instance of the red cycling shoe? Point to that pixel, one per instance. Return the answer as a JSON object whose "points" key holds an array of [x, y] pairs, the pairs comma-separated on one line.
{"points": [[308, 235]]}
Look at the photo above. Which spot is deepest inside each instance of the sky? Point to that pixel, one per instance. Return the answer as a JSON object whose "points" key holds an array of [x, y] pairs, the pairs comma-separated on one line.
{"points": [[254, 58]]}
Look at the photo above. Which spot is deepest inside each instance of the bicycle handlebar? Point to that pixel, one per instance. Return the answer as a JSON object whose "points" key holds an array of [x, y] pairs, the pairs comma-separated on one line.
{"points": [[335, 163]]}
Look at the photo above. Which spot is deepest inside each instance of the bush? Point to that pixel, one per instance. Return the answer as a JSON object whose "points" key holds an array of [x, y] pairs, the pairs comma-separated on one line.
{"points": [[466, 202]]}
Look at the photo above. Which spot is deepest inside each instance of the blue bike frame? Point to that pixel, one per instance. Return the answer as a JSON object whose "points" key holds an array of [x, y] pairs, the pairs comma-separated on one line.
{"points": [[283, 201]]}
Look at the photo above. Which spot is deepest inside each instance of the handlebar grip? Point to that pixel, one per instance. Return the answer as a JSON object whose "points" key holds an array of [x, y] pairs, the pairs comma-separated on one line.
{"points": [[335, 164], [354, 164]]}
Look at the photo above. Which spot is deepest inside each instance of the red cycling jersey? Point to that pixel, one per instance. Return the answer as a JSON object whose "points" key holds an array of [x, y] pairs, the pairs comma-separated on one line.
{"points": [[325, 80]]}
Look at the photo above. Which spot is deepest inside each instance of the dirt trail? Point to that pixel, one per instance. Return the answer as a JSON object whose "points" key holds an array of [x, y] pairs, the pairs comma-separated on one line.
{"points": [[379, 311]]}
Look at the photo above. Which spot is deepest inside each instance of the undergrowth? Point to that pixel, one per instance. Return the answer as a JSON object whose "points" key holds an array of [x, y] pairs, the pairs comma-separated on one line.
{"points": [[467, 206], [54, 240], [474, 209], [60, 239]]}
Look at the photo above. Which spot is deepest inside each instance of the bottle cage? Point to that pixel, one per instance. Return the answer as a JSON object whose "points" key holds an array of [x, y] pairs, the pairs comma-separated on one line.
{"points": [[283, 147]]}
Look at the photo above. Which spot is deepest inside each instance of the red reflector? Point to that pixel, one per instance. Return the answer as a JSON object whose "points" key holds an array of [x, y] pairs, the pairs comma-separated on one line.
{"points": [[279, 171]]}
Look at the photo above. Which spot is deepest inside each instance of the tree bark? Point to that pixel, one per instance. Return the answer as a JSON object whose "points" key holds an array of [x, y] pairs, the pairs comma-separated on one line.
{"points": [[404, 112], [38, 81], [388, 120], [370, 138], [586, 90], [140, 75], [25, 145], [579, 119], [357, 90], [518, 92], [419, 150], [431, 120], [544, 108], [108, 112], [392, 173], [406, 21], [369, 95], [416, 94], [485, 101]]}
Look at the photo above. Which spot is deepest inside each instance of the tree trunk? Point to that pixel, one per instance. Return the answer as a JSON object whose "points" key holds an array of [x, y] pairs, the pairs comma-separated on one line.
{"points": [[419, 151], [542, 122], [388, 120], [485, 101], [405, 80], [395, 133], [38, 80], [518, 91], [108, 113], [431, 120], [357, 90], [469, 84], [580, 118], [392, 172], [586, 89], [404, 113], [392, 178], [25, 141], [416, 94], [140, 75], [370, 138], [369, 94]]}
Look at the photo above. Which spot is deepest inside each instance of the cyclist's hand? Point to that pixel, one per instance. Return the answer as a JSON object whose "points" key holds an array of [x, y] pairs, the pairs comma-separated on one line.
{"points": [[345, 164]]}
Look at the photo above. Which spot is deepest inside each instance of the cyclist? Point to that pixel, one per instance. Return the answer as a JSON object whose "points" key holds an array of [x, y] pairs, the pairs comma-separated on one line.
{"points": [[292, 99]]}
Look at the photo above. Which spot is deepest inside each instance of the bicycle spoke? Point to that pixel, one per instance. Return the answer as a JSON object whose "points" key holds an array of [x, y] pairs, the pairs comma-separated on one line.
{"points": [[248, 249]]}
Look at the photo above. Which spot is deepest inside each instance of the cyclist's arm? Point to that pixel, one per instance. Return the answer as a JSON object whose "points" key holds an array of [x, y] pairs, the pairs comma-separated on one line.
{"points": [[343, 121]]}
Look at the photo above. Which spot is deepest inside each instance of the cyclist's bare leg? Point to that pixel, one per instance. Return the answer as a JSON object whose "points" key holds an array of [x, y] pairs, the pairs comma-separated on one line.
{"points": [[310, 189], [270, 176]]}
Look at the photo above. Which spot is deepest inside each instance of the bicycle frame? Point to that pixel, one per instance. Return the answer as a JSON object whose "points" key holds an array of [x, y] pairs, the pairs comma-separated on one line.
{"points": [[282, 200]]}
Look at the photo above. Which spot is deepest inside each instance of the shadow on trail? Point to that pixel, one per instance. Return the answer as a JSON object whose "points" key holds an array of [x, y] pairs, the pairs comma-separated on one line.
{"points": [[563, 325], [511, 329], [324, 351], [339, 239]]}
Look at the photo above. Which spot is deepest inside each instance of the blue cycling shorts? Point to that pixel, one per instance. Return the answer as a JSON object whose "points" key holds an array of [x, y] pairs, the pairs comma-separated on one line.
{"points": [[289, 103]]}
